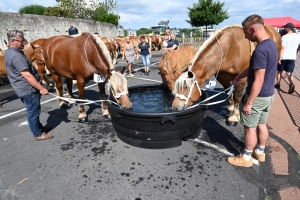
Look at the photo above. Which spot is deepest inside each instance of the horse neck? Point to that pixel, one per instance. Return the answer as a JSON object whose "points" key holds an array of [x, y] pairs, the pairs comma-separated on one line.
{"points": [[95, 58], [209, 61]]}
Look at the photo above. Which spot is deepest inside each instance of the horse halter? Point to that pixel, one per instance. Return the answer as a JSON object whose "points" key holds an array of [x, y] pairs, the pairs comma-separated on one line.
{"points": [[183, 97]]}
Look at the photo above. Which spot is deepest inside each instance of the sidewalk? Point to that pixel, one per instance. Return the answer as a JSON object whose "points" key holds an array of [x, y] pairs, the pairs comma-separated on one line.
{"points": [[284, 126]]}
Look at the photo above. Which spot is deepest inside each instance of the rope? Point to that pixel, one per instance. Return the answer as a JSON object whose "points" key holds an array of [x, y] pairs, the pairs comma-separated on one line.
{"points": [[82, 100], [221, 58]]}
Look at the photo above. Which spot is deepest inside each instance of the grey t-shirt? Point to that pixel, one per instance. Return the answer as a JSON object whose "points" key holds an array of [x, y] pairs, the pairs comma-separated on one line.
{"points": [[15, 63]]}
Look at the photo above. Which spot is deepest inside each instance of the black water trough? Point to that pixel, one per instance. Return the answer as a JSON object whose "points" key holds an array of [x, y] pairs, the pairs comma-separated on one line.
{"points": [[159, 129]]}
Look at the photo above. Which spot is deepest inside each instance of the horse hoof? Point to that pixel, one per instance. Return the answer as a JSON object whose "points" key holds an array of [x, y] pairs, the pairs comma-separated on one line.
{"points": [[82, 120], [231, 124]]}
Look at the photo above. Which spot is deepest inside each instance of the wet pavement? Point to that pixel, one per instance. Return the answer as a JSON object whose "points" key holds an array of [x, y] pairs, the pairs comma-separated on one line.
{"points": [[88, 161]]}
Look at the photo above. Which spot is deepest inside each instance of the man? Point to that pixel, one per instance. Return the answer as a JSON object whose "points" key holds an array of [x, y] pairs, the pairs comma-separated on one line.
{"points": [[256, 103], [290, 44], [25, 80], [168, 33], [73, 30]]}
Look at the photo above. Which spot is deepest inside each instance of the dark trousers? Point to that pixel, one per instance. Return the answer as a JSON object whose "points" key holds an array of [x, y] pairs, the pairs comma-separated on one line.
{"points": [[33, 109]]}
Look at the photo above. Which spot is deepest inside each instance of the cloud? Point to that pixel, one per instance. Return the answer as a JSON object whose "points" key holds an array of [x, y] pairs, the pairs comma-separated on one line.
{"points": [[137, 14]]}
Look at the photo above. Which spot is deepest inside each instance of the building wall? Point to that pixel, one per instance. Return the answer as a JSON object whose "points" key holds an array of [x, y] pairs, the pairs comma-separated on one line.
{"points": [[37, 26]]}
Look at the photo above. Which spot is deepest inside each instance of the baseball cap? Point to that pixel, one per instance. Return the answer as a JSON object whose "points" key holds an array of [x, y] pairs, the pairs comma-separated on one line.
{"points": [[289, 25]]}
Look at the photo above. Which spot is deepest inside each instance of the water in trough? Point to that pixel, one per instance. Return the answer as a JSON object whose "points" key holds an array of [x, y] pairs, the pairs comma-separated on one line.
{"points": [[152, 100]]}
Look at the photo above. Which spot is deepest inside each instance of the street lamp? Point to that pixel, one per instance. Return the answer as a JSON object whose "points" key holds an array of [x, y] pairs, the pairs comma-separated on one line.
{"points": [[117, 1]]}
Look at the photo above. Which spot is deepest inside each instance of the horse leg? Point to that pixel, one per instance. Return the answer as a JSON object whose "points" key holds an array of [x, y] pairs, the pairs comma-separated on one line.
{"points": [[231, 105], [70, 92], [104, 107], [81, 92], [59, 88], [237, 96]]}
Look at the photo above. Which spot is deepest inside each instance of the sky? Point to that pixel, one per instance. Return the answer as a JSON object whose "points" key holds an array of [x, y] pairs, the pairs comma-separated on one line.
{"points": [[136, 14]]}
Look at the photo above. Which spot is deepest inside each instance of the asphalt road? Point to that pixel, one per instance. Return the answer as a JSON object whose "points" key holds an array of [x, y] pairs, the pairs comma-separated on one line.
{"points": [[88, 161]]}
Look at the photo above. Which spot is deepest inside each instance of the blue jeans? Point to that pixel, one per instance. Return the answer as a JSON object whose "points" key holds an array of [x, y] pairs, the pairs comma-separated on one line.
{"points": [[33, 109], [146, 60]]}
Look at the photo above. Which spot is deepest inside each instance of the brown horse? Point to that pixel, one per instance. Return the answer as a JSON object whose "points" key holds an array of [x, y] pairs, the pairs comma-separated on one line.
{"points": [[112, 48], [79, 58], [35, 55], [174, 62], [156, 42], [225, 54]]}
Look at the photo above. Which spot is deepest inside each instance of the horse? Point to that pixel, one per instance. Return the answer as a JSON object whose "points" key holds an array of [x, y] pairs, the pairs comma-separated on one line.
{"points": [[121, 42], [80, 58], [156, 42], [174, 62], [112, 48], [105, 39], [225, 54], [34, 54]]}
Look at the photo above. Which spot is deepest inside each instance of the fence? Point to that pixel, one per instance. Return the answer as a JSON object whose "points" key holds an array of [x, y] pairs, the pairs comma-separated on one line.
{"points": [[296, 72], [196, 42]]}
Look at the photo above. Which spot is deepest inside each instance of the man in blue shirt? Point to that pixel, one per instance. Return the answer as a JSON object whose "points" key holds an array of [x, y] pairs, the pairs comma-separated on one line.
{"points": [[25, 80], [256, 103], [73, 30]]}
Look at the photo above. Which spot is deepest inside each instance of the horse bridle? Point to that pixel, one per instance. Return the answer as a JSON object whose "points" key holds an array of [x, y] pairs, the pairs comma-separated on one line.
{"points": [[183, 97]]}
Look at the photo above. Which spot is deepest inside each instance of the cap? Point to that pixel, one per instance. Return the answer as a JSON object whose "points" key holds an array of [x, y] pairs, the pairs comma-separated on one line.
{"points": [[289, 25]]}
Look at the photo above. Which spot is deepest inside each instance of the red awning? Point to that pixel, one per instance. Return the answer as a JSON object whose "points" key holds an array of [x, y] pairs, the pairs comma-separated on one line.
{"points": [[281, 21]]}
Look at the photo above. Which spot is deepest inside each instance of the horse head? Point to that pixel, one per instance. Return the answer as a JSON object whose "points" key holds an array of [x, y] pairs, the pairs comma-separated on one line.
{"points": [[186, 91], [118, 89]]}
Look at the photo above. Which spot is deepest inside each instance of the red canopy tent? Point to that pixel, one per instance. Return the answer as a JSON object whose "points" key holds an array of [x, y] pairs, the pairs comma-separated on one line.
{"points": [[281, 21]]}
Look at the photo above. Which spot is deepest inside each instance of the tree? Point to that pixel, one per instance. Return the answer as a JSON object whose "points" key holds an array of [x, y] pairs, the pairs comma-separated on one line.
{"points": [[58, 12], [78, 8], [206, 13], [32, 9]]}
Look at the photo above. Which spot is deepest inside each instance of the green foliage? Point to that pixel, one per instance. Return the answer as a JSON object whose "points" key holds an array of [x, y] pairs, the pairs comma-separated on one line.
{"points": [[32, 9], [109, 18], [268, 198], [58, 12], [143, 31], [298, 158], [77, 8], [206, 13]]}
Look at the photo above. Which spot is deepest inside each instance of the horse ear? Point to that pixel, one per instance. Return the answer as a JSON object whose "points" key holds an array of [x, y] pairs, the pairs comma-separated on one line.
{"points": [[35, 46], [122, 70], [190, 74], [5, 42]]}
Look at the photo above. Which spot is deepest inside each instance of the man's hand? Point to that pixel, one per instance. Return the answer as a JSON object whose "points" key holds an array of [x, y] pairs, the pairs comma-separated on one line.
{"points": [[44, 91], [247, 108]]}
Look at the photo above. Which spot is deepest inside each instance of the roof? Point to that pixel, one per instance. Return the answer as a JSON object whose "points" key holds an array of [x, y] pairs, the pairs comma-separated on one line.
{"points": [[281, 21]]}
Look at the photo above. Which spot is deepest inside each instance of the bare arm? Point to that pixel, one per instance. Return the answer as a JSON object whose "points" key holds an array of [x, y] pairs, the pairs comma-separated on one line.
{"points": [[241, 75], [259, 75], [32, 81], [173, 47], [149, 49]]}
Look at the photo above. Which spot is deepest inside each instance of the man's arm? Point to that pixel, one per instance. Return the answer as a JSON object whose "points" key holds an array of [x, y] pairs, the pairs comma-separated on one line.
{"points": [[239, 76], [259, 76], [32, 81]]}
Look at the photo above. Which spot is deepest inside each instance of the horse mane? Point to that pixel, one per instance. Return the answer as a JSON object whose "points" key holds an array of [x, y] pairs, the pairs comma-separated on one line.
{"points": [[179, 83], [104, 49], [117, 81], [210, 40]]}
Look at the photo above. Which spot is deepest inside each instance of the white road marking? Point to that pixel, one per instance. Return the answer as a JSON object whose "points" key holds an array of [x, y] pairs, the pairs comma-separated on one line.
{"points": [[23, 109], [135, 70], [255, 162], [24, 123]]}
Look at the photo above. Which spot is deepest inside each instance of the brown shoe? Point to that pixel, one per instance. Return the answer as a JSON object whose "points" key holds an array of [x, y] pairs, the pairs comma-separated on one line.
{"points": [[44, 136], [259, 157], [240, 161]]}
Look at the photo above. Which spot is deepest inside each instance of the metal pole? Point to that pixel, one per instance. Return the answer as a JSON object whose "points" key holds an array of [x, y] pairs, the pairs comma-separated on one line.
{"points": [[118, 16]]}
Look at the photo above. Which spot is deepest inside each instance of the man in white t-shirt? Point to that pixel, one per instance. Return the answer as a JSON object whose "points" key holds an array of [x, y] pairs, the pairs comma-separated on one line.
{"points": [[288, 55]]}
